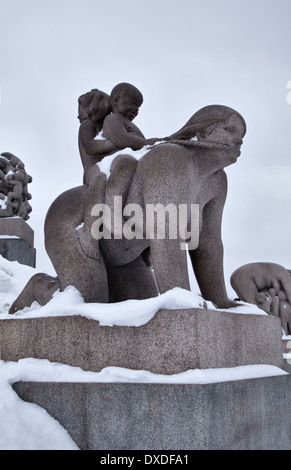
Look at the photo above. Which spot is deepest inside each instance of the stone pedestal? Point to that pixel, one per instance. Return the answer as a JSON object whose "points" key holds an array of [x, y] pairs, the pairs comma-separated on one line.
{"points": [[243, 414], [16, 241], [172, 342], [240, 415]]}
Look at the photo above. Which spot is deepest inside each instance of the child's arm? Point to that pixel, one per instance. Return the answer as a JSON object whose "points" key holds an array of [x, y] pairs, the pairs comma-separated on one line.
{"points": [[115, 130], [87, 132]]}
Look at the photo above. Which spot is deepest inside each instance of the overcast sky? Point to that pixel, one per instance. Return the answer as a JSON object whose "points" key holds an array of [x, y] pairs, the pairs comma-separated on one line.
{"points": [[182, 55]]}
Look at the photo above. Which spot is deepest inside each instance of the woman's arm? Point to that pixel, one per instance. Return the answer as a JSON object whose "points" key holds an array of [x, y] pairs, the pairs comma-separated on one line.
{"points": [[207, 259]]}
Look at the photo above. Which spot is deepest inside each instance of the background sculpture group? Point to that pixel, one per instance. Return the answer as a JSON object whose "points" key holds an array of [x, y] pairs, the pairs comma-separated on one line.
{"points": [[267, 285], [14, 195]]}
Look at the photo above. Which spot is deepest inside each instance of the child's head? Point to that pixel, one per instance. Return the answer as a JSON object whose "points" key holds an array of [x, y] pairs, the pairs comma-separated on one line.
{"points": [[94, 105], [126, 100]]}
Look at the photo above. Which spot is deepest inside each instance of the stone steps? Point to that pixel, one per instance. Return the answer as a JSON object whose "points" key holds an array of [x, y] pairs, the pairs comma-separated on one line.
{"points": [[242, 414]]}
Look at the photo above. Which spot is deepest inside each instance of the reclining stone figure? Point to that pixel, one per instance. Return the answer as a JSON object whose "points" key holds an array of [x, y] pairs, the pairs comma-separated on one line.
{"points": [[267, 285]]}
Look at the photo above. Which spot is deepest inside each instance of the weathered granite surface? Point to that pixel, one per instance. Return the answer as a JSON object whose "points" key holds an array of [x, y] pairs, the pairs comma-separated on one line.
{"points": [[18, 250], [186, 168], [172, 342], [16, 226], [16, 241], [240, 415], [267, 285], [14, 180]]}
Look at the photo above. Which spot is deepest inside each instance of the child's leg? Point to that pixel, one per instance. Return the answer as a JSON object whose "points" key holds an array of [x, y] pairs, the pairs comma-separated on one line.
{"points": [[100, 191], [122, 170], [95, 194]]}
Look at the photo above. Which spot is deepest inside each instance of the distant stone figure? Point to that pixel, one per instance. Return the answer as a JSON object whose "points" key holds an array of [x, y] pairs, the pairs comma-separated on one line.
{"points": [[267, 285], [14, 180], [187, 169]]}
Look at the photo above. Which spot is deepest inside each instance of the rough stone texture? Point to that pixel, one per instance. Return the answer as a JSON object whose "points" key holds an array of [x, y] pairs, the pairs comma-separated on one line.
{"points": [[241, 415], [181, 171], [14, 182], [287, 346], [20, 248], [287, 351], [267, 285], [172, 342], [287, 366], [168, 173], [16, 226]]}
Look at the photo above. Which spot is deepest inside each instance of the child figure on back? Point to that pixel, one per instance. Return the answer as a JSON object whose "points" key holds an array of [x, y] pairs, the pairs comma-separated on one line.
{"points": [[118, 126], [120, 133]]}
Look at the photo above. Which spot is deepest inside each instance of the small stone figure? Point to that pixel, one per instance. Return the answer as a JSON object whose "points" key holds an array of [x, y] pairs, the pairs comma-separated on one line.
{"points": [[126, 100], [119, 132], [14, 180], [267, 285], [93, 107]]}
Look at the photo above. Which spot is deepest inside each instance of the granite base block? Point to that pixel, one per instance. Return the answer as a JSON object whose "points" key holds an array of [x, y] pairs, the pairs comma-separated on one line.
{"points": [[16, 241], [240, 415], [18, 250], [172, 342], [17, 227]]}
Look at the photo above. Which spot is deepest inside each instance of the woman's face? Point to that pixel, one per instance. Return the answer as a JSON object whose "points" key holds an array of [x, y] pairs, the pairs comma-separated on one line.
{"points": [[229, 132]]}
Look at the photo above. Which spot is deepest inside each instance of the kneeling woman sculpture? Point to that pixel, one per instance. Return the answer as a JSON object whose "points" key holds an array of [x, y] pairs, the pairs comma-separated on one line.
{"points": [[186, 169]]}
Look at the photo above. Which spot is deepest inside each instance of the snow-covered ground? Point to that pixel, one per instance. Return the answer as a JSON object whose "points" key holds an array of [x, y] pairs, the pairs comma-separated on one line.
{"points": [[25, 426]]}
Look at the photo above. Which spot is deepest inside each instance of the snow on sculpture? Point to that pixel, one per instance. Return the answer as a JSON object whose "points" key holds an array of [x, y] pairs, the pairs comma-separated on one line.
{"points": [[185, 168]]}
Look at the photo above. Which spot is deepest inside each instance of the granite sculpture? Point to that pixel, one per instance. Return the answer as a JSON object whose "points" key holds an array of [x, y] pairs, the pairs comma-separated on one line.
{"points": [[16, 243], [267, 285], [113, 117], [184, 168], [14, 180]]}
